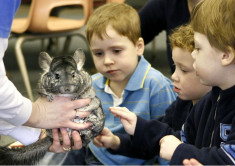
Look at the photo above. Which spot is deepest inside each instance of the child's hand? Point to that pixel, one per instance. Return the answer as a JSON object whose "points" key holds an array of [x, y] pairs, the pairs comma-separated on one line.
{"points": [[191, 162], [168, 144], [127, 118], [107, 139]]}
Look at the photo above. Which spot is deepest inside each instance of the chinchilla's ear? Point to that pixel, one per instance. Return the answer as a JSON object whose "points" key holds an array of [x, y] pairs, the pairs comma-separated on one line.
{"points": [[79, 57], [44, 61]]}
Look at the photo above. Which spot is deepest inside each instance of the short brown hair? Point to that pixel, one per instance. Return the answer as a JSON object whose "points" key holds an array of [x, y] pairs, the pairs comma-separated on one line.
{"points": [[182, 37], [123, 18], [216, 20]]}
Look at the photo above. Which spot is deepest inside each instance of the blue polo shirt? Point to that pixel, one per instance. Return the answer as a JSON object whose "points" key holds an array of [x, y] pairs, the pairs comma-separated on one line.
{"points": [[148, 94]]}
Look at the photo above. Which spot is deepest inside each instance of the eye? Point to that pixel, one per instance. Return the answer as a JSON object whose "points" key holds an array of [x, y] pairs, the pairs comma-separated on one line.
{"points": [[117, 51], [196, 49], [57, 76], [73, 74], [184, 71], [98, 53]]}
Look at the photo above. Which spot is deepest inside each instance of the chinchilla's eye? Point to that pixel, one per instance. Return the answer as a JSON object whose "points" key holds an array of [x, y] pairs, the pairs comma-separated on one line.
{"points": [[57, 76], [73, 74]]}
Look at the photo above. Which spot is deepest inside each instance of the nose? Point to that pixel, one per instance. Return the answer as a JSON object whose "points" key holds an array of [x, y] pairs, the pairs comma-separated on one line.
{"points": [[193, 54], [67, 89], [174, 76], [108, 60]]}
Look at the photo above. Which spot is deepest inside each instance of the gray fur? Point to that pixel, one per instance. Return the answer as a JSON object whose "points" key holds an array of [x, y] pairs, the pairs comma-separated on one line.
{"points": [[62, 76]]}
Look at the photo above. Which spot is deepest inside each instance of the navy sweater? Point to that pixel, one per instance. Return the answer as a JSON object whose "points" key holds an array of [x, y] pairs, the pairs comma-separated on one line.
{"points": [[159, 15], [177, 113], [208, 133]]}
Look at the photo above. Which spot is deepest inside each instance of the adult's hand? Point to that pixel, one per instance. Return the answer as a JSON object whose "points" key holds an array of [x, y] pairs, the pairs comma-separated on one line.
{"points": [[57, 114], [56, 147]]}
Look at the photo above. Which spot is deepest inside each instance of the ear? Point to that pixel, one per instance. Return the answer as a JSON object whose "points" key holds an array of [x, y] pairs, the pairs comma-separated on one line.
{"points": [[228, 57], [140, 46], [79, 58], [44, 61]]}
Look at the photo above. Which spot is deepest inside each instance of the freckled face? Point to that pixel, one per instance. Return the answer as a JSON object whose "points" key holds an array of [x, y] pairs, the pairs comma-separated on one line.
{"points": [[186, 84], [116, 57]]}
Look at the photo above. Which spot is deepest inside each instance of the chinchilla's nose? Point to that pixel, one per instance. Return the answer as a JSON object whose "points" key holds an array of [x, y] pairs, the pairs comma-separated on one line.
{"points": [[65, 89]]}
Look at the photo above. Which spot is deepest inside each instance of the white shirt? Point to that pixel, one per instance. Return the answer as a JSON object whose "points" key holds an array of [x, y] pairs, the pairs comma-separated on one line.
{"points": [[15, 109], [116, 100]]}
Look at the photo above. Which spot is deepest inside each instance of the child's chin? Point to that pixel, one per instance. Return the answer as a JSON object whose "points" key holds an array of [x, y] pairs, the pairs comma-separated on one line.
{"points": [[183, 97]]}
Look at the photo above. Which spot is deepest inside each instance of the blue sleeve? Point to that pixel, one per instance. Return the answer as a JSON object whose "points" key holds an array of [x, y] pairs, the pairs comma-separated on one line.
{"points": [[7, 12]]}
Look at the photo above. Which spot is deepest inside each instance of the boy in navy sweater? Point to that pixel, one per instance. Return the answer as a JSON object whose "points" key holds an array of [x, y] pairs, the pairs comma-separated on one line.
{"points": [[208, 135]]}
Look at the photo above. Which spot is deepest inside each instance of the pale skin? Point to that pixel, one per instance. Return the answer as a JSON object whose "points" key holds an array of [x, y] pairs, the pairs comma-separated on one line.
{"points": [[56, 114], [59, 114], [191, 162], [107, 139], [116, 57], [168, 144], [56, 147], [184, 77], [221, 67]]}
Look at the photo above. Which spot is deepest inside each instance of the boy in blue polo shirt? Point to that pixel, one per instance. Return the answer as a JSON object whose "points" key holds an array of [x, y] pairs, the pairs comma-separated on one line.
{"points": [[125, 77]]}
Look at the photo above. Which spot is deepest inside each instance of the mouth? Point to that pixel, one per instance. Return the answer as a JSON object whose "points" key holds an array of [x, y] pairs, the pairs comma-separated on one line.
{"points": [[111, 71], [177, 90]]}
